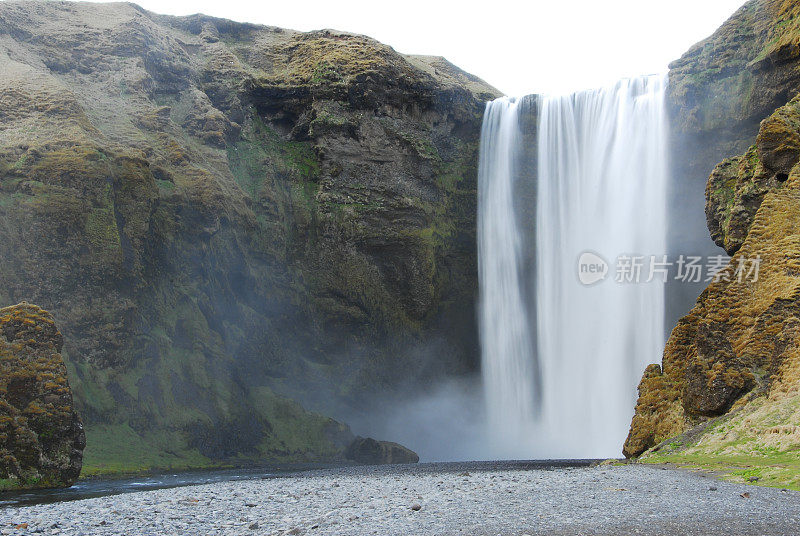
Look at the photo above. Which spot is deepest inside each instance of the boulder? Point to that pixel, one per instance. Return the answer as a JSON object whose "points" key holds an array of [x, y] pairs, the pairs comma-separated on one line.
{"points": [[373, 452], [41, 436]]}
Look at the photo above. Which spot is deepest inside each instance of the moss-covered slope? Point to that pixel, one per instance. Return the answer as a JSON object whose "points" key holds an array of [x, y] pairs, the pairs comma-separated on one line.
{"points": [[729, 82], [223, 217]]}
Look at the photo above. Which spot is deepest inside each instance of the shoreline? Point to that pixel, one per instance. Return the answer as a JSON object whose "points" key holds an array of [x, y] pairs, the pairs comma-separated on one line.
{"points": [[116, 484]]}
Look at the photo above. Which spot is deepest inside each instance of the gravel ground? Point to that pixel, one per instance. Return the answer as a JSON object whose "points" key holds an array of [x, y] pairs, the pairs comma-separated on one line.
{"points": [[468, 499]]}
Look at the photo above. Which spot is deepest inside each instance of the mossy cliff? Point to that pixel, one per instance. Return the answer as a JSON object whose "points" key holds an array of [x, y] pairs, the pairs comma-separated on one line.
{"points": [[729, 82], [727, 389], [227, 220], [41, 435], [718, 93], [729, 392]]}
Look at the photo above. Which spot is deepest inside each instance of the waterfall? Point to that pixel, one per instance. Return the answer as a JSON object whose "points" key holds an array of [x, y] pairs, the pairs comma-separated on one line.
{"points": [[560, 374], [506, 339]]}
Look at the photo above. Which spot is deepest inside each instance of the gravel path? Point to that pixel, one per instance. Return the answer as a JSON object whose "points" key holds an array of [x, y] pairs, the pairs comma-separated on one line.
{"points": [[468, 499]]}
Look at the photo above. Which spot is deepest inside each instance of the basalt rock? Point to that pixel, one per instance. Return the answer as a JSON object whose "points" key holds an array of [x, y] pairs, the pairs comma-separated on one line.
{"points": [[233, 222], [41, 436]]}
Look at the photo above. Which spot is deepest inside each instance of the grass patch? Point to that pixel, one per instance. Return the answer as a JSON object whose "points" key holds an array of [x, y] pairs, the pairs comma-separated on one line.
{"points": [[775, 471], [118, 449]]}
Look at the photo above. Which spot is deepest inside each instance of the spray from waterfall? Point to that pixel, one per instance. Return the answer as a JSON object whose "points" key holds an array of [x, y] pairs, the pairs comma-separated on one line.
{"points": [[560, 374]]}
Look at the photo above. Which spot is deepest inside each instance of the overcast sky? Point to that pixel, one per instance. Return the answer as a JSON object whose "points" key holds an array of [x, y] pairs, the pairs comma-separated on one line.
{"points": [[536, 46]]}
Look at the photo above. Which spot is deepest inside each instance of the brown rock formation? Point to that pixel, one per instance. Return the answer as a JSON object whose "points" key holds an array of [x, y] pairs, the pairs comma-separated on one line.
{"points": [[733, 346], [737, 186], [41, 436]]}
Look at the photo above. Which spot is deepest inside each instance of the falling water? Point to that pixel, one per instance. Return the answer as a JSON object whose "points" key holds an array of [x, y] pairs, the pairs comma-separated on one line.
{"points": [[506, 338], [560, 375]]}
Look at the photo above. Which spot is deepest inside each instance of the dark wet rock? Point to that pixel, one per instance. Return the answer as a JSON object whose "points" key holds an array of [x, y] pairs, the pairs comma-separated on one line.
{"points": [[372, 452]]}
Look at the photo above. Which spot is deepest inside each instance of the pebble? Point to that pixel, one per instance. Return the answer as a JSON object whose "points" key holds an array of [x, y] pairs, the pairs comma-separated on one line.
{"points": [[363, 501]]}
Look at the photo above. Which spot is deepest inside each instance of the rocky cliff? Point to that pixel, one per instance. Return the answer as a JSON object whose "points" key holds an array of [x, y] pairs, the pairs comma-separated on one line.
{"points": [[41, 435], [729, 374], [718, 93], [227, 218]]}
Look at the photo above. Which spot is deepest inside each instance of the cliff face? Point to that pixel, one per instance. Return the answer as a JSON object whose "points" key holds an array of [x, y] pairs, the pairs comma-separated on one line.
{"points": [[718, 93], [733, 358], [222, 215], [41, 436], [729, 82]]}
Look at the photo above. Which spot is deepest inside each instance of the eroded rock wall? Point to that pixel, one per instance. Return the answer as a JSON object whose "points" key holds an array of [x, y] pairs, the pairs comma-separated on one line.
{"points": [[718, 93]]}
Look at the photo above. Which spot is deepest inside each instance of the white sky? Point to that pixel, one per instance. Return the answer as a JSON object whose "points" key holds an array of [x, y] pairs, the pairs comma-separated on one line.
{"points": [[551, 46]]}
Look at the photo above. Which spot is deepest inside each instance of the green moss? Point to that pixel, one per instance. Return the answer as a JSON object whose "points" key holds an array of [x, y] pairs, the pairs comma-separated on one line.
{"points": [[449, 175], [20, 163], [261, 153], [324, 59], [305, 193], [325, 73], [784, 32], [328, 119], [9, 484], [29, 482], [101, 230], [88, 385], [295, 431], [165, 185], [71, 166], [9, 199]]}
